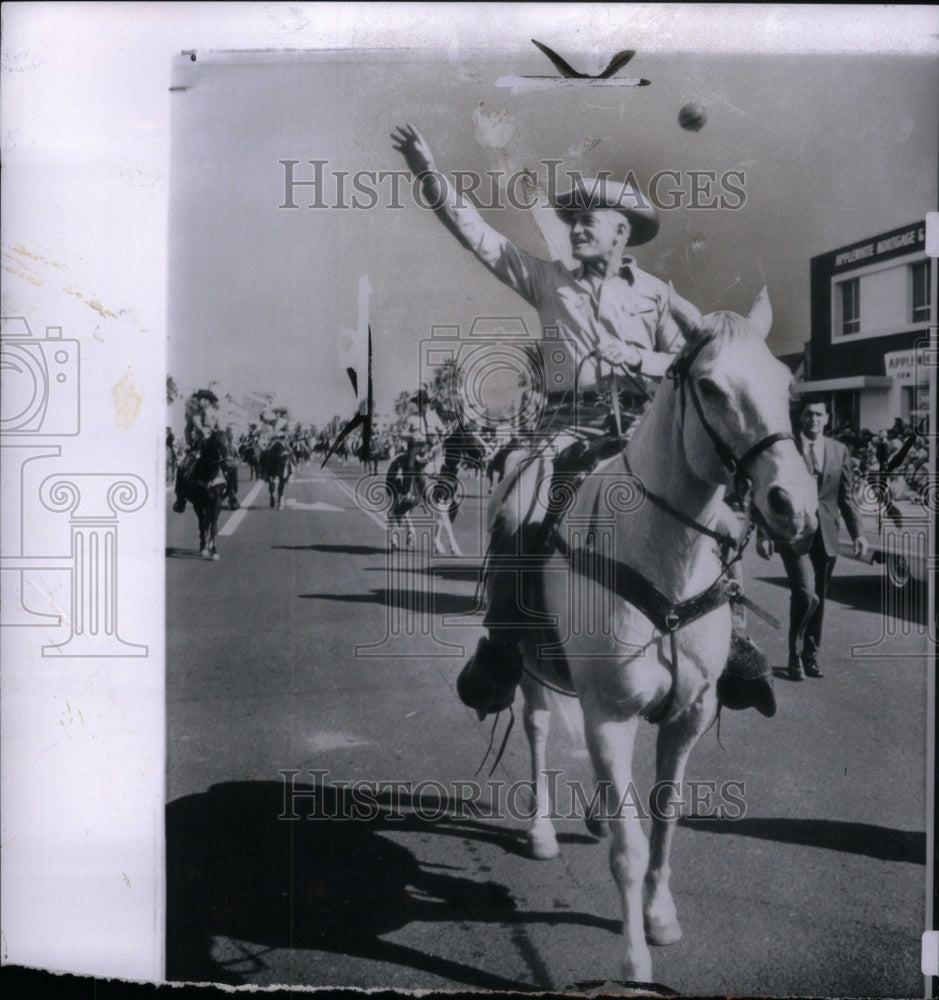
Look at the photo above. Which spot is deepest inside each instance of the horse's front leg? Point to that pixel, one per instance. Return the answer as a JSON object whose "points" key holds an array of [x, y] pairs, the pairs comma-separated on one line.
{"points": [[610, 742], [676, 739], [541, 840], [213, 528], [444, 527], [202, 519]]}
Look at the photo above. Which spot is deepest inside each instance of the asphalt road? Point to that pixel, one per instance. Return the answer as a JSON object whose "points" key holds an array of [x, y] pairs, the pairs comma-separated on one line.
{"points": [[304, 648]]}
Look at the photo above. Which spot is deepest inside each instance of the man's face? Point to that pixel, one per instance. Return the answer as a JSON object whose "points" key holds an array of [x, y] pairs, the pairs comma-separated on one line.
{"points": [[814, 418], [597, 233]]}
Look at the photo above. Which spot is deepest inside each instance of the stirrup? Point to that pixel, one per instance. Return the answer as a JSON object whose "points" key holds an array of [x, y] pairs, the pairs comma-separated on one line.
{"points": [[747, 680]]}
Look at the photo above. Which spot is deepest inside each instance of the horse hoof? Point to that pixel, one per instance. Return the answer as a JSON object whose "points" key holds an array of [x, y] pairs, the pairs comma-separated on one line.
{"points": [[598, 828], [204, 553], [662, 934], [457, 551], [541, 848]]}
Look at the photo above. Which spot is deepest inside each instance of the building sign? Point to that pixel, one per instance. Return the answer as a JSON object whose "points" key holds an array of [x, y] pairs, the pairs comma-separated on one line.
{"points": [[903, 365], [892, 244]]}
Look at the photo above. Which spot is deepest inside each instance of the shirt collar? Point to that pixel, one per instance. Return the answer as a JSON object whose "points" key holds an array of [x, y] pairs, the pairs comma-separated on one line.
{"points": [[627, 271]]}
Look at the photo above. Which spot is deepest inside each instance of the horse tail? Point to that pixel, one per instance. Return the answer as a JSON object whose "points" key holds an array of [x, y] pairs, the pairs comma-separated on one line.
{"points": [[541, 695], [568, 710]]}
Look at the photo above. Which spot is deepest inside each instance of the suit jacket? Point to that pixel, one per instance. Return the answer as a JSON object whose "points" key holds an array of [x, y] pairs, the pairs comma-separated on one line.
{"points": [[835, 494]]}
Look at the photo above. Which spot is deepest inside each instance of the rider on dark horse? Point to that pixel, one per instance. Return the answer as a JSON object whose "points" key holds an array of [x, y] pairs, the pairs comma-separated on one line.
{"points": [[278, 425], [201, 423], [406, 475], [607, 309]]}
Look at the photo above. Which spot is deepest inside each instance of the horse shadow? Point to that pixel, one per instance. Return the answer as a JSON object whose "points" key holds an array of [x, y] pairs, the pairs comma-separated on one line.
{"points": [[346, 550], [407, 600], [879, 842], [333, 883]]}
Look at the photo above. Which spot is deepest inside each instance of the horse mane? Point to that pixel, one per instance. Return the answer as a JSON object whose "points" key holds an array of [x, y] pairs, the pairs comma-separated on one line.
{"points": [[725, 327]]}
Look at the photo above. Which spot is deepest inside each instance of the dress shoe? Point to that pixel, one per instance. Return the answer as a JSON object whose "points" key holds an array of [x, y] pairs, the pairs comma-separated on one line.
{"points": [[796, 672], [811, 668], [180, 505]]}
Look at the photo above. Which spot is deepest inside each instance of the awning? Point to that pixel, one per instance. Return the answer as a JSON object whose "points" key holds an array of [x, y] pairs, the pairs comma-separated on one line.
{"points": [[843, 384]]}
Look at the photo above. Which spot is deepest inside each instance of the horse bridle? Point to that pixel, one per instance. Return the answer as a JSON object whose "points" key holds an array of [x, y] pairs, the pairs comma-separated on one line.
{"points": [[680, 374]]}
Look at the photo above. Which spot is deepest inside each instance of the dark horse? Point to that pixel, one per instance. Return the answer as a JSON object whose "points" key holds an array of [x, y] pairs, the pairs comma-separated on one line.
{"points": [[205, 487], [251, 456], [276, 468]]}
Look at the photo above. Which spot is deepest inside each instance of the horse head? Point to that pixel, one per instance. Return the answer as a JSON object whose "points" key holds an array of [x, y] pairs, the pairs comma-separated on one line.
{"points": [[735, 425], [215, 448]]}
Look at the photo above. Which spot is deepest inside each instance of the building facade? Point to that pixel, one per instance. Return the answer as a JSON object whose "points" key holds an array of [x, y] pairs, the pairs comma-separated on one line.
{"points": [[873, 309]]}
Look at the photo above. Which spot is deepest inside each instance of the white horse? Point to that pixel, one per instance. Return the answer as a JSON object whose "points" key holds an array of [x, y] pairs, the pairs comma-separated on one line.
{"points": [[721, 417]]}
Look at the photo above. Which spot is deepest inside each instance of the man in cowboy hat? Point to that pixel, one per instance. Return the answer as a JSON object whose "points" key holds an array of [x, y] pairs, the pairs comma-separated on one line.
{"points": [[201, 421], [607, 310]]}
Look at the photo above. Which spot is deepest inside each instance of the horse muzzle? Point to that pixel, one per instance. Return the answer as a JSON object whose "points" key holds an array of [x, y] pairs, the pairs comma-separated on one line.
{"points": [[789, 516]]}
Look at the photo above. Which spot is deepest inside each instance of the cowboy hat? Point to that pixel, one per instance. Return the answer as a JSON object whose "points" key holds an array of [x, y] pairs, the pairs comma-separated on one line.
{"points": [[597, 192]]}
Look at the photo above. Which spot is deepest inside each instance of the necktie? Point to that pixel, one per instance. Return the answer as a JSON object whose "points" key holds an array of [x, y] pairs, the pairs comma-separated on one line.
{"points": [[810, 457]]}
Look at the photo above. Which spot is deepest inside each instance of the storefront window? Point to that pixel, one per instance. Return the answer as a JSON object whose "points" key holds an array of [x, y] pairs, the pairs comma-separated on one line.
{"points": [[850, 307], [845, 411], [920, 298]]}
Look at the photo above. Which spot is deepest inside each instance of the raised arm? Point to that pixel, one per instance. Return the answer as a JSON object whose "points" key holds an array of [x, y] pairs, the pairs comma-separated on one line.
{"points": [[510, 265]]}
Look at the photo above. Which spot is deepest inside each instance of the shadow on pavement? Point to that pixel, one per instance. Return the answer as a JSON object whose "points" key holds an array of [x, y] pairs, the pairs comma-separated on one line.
{"points": [[333, 883], [865, 592], [346, 550], [176, 553], [880, 842], [407, 600]]}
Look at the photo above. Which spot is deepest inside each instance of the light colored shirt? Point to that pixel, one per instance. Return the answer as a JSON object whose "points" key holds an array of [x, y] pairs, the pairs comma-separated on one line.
{"points": [[814, 453], [575, 313], [418, 426]]}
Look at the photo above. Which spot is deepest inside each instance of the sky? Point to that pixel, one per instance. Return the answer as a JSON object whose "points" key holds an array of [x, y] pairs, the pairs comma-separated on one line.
{"points": [[817, 150]]}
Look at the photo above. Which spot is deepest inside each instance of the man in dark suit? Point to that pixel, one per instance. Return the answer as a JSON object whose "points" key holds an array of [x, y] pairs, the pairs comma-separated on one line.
{"points": [[810, 570]]}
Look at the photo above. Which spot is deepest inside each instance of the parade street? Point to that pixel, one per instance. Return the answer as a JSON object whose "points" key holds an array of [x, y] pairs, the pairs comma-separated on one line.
{"points": [[307, 659]]}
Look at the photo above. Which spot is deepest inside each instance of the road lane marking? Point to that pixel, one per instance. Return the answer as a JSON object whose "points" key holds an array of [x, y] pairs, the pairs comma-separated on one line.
{"points": [[237, 516], [380, 521], [318, 505]]}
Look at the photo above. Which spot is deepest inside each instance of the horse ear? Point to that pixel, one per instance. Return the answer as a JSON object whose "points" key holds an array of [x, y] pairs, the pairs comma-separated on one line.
{"points": [[686, 314], [761, 314]]}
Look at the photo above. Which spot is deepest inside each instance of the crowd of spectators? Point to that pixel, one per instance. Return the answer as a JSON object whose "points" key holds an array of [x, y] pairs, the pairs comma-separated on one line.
{"points": [[874, 456]]}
